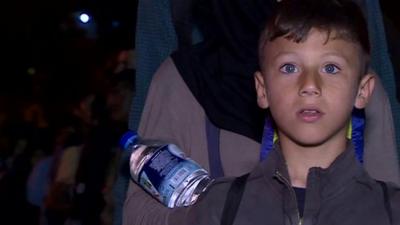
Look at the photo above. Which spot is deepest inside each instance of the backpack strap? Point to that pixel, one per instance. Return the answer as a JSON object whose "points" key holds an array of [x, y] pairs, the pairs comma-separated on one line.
{"points": [[386, 200], [233, 199], [214, 155]]}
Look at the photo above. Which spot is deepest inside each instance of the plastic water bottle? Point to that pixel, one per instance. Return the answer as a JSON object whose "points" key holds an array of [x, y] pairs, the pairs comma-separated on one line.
{"points": [[164, 171]]}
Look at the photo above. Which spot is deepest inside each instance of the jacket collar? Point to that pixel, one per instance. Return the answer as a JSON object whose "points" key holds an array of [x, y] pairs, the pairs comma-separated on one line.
{"points": [[330, 180]]}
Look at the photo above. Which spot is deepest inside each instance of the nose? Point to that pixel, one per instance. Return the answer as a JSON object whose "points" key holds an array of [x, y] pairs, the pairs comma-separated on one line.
{"points": [[310, 84]]}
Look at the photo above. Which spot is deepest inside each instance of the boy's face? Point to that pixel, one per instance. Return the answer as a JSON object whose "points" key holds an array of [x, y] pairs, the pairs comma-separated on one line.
{"points": [[312, 86]]}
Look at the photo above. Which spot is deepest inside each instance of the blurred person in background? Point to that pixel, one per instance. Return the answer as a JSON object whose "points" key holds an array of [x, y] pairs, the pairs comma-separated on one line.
{"points": [[96, 173], [76, 123]]}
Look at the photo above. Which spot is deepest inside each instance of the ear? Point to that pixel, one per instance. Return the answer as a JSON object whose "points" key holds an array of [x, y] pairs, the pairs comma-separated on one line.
{"points": [[365, 89], [261, 91]]}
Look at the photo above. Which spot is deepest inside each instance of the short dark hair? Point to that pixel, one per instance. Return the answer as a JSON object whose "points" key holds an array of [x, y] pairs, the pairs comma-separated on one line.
{"points": [[293, 19]]}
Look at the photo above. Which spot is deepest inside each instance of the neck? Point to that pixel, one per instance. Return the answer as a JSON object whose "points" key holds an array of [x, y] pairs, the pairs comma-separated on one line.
{"points": [[300, 159]]}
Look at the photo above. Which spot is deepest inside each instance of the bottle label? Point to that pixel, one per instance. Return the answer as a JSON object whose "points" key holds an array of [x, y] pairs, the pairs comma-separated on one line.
{"points": [[166, 172]]}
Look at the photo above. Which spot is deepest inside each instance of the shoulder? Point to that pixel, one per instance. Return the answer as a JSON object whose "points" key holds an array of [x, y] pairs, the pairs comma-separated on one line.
{"points": [[218, 191], [209, 208], [392, 200], [394, 194], [392, 191]]}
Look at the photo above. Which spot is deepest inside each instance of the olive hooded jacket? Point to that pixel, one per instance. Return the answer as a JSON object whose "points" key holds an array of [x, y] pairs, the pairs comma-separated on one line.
{"points": [[342, 194]]}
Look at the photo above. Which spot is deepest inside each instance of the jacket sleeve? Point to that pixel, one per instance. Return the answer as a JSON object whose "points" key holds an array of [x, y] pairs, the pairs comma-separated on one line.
{"points": [[394, 198], [142, 209]]}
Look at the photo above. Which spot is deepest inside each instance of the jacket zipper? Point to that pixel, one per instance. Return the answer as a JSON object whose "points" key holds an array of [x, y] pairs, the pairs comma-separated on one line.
{"points": [[292, 193]]}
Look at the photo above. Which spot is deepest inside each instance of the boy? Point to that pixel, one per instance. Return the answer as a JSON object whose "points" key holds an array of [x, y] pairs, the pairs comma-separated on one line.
{"points": [[314, 59]]}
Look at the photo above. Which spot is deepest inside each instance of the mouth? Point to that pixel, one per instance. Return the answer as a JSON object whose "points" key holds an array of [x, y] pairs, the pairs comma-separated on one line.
{"points": [[310, 115]]}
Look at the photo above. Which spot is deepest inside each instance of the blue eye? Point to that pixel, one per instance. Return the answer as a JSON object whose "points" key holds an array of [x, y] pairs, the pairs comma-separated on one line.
{"points": [[289, 68], [331, 69]]}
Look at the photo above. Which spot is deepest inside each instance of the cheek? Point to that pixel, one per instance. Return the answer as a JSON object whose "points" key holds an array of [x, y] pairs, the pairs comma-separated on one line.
{"points": [[281, 91], [280, 102], [340, 88], [351, 92], [342, 102], [280, 96]]}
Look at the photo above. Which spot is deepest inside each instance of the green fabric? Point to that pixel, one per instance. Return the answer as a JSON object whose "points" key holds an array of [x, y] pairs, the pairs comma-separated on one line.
{"points": [[381, 62], [155, 40]]}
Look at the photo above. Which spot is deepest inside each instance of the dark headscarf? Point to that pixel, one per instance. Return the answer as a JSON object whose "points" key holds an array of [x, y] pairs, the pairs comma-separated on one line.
{"points": [[219, 70]]}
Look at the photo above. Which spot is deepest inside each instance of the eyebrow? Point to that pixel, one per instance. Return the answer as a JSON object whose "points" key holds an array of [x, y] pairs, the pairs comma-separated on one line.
{"points": [[284, 54], [337, 55], [328, 54]]}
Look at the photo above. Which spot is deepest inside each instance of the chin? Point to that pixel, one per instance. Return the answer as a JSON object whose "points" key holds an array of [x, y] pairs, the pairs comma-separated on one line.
{"points": [[306, 137], [310, 140], [309, 143], [316, 140]]}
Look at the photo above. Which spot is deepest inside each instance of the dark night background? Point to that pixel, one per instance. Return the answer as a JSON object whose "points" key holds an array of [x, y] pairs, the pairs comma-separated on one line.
{"points": [[45, 35], [46, 54], [49, 59]]}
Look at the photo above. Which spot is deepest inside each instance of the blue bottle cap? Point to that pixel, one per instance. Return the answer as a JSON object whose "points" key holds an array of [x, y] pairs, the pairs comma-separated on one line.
{"points": [[127, 139]]}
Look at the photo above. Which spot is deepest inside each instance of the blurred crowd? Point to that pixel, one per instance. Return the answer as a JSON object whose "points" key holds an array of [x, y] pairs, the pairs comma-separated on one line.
{"points": [[59, 148]]}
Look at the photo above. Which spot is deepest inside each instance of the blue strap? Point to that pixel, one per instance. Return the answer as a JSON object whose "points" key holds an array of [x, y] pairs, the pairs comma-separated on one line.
{"points": [[357, 133], [214, 156], [267, 142]]}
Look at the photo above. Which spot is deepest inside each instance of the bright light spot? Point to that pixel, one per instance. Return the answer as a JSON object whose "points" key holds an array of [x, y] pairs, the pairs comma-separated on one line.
{"points": [[84, 18], [115, 23], [31, 71]]}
